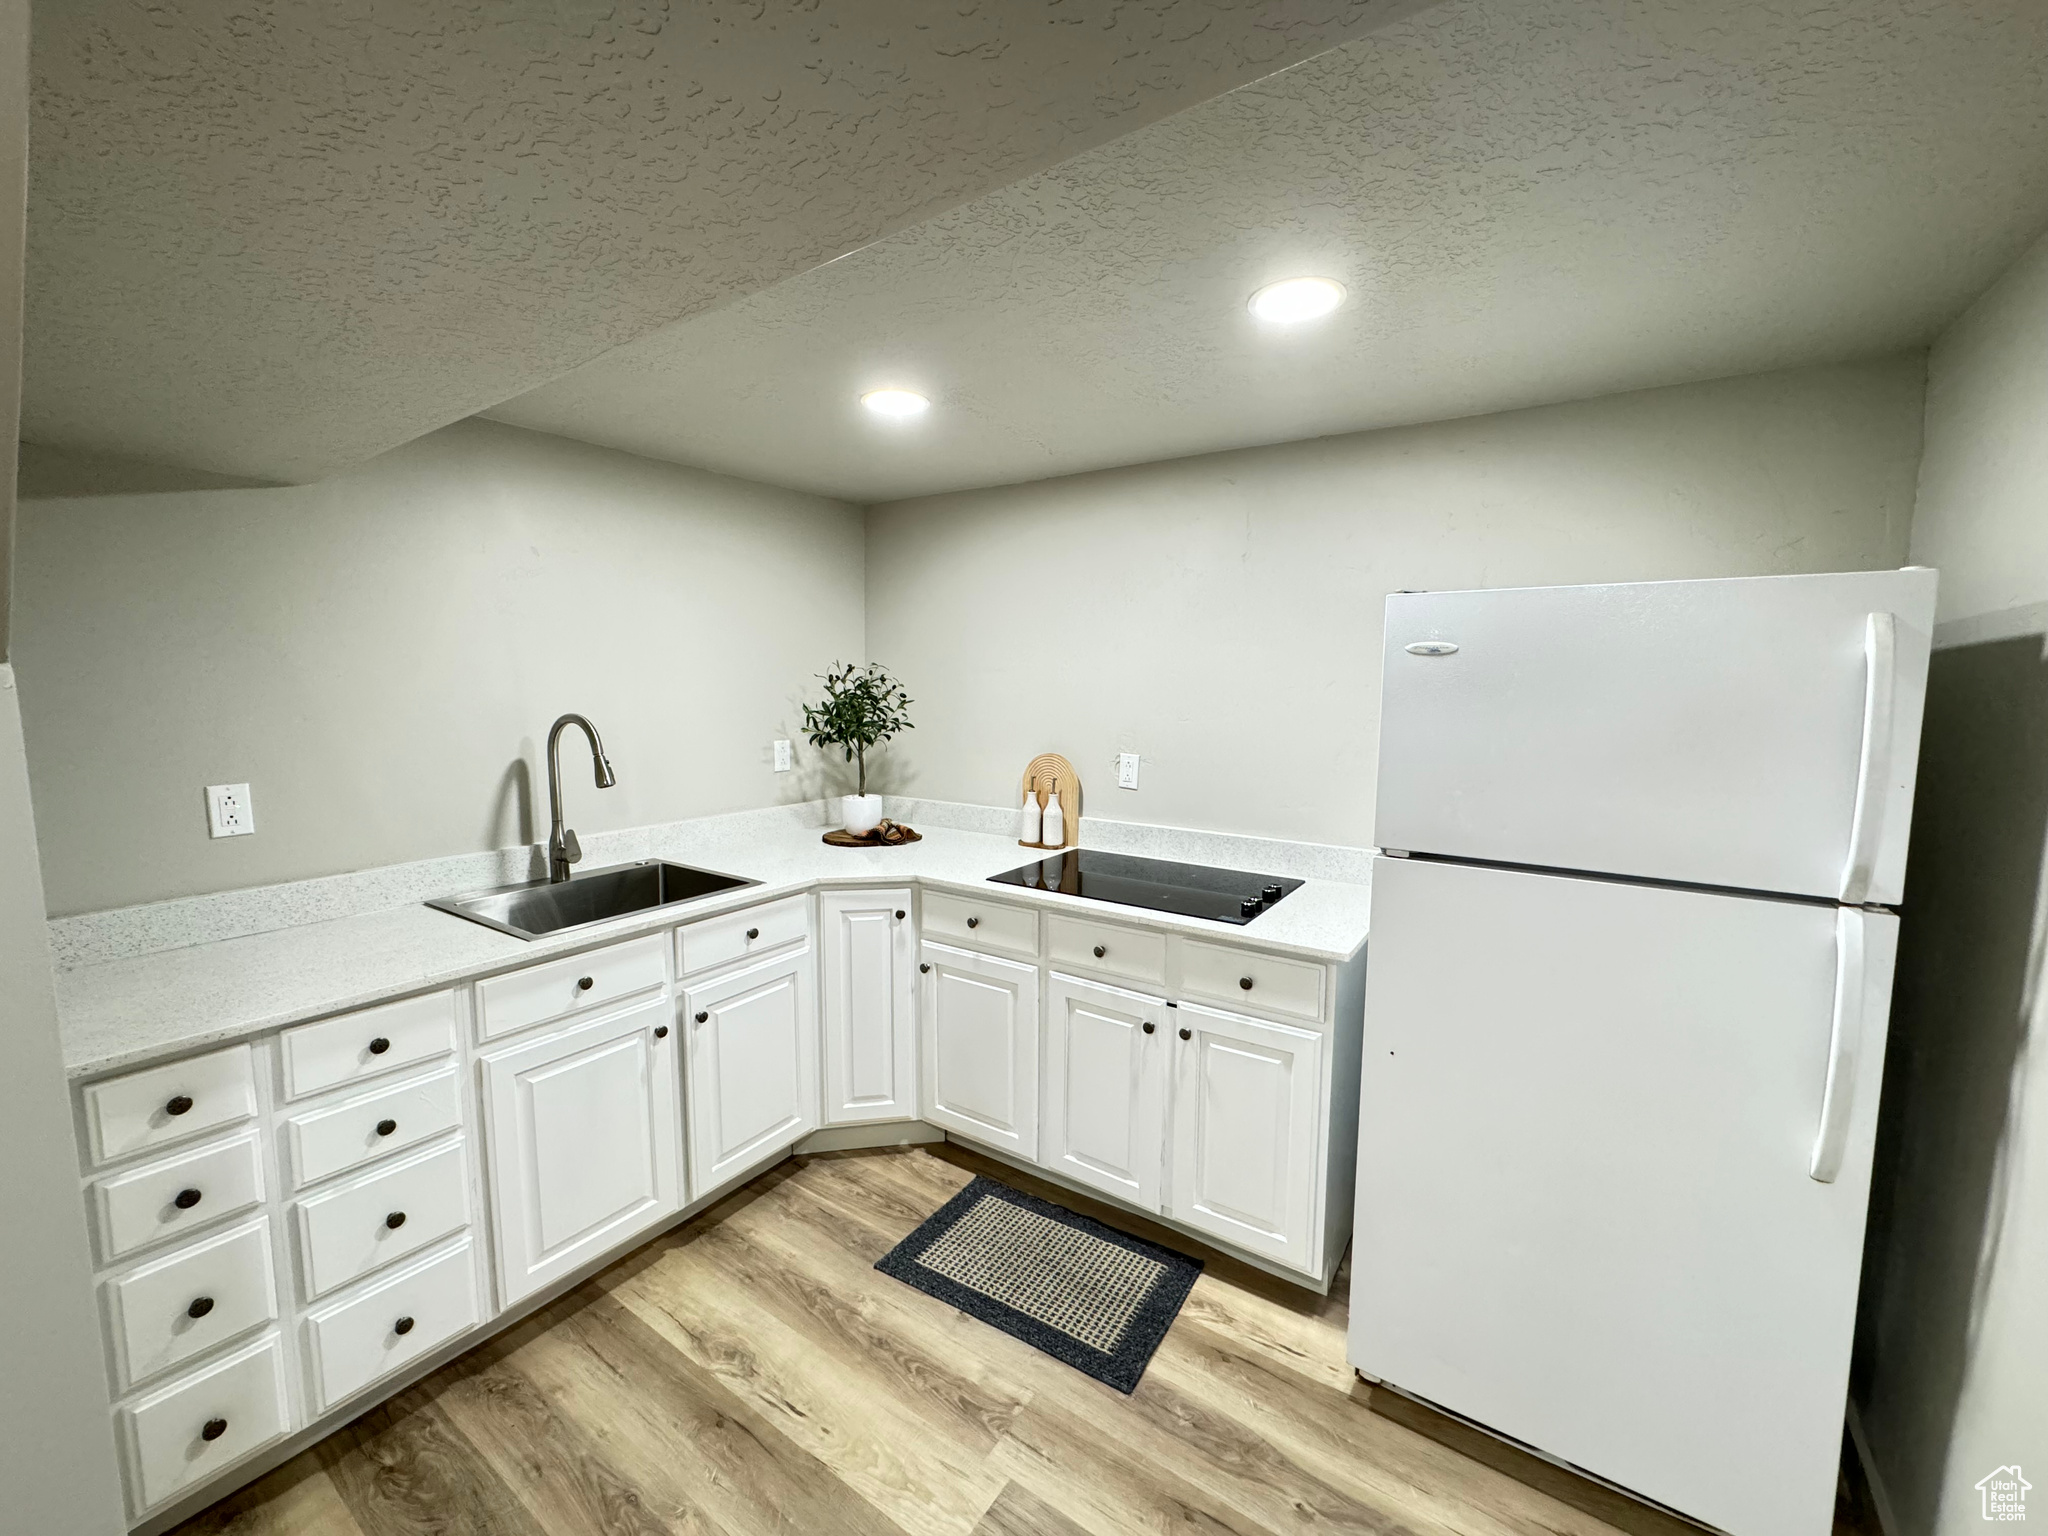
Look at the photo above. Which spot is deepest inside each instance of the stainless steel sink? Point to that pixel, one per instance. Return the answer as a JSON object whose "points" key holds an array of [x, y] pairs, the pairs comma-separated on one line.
{"points": [[538, 908]]}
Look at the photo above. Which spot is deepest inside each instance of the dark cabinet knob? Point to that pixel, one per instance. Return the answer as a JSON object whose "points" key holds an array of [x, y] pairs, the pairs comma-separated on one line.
{"points": [[1245, 982], [1149, 1026], [922, 966], [379, 1046], [386, 1127], [1101, 950], [974, 922], [901, 914], [1187, 1034], [213, 1429], [201, 1305], [703, 1018], [395, 1220], [185, 1199], [753, 933], [661, 1031], [585, 983], [179, 1105], [402, 1327]]}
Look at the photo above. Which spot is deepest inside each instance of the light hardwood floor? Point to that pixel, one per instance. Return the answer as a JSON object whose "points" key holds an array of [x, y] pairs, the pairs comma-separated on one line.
{"points": [[751, 1373]]}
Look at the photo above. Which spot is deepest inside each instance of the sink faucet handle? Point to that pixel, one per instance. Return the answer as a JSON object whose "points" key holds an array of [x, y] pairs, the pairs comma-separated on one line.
{"points": [[572, 851]]}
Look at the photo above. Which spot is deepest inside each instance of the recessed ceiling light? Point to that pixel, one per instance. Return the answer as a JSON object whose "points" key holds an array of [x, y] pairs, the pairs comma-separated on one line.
{"points": [[1296, 299], [897, 403]]}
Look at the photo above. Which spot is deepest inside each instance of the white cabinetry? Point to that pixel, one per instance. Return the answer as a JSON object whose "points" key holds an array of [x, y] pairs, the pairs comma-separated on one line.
{"points": [[1105, 1087], [582, 1139], [1247, 1129], [867, 962], [978, 1023], [753, 1067]]}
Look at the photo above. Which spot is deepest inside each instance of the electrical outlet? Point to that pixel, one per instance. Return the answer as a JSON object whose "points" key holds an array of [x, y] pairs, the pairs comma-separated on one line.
{"points": [[1127, 770], [784, 760], [228, 811]]}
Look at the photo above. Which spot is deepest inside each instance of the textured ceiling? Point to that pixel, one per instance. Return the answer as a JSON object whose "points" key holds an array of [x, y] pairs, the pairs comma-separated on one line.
{"points": [[1531, 200], [274, 237]]}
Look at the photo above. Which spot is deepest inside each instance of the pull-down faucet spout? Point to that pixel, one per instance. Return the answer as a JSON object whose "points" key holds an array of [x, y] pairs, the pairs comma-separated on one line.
{"points": [[563, 849]]}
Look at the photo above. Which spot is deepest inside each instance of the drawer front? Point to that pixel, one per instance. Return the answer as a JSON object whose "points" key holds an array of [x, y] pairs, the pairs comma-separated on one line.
{"points": [[240, 1399], [333, 1052], [323, 1142], [176, 1194], [131, 1114], [746, 935], [347, 1232], [164, 1313], [976, 924], [543, 992], [358, 1339], [1076, 943], [1220, 975]]}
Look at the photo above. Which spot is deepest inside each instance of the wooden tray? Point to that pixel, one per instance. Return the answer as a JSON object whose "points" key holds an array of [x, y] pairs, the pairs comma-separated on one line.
{"points": [[842, 839]]}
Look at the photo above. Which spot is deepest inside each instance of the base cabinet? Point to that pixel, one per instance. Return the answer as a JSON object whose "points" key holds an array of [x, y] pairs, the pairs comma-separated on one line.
{"points": [[1247, 1111], [583, 1140], [867, 1000], [1105, 1087], [753, 1068], [978, 1023]]}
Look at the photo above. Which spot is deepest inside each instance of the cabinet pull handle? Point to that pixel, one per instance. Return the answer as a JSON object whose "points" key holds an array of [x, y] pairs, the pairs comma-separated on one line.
{"points": [[386, 1127], [185, 1199], [402, 1327], [1245, 982], [395, 1220], [1149, 1026], [974, 922], [924, 966], [213, 1429], [379, 1046], [179, 1105], [704, 1018], [201, 1305], [585, 983], [1101, 950], [1187, 1034], [753, 933], [901, 914], [661, 1031]]}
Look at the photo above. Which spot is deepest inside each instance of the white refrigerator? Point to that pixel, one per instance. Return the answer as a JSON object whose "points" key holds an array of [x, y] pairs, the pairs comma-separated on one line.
{"points": [[1629, 970]]}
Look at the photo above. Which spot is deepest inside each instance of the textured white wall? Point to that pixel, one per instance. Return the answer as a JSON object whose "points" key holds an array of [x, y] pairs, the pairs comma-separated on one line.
{"points": [[1221, 615], [1952, 1376], [379, 656]]}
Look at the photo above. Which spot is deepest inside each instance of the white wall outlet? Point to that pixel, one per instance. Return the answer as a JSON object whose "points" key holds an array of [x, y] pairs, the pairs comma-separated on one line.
{"points": [[1127, 770], [784, 759], [228, 811]]}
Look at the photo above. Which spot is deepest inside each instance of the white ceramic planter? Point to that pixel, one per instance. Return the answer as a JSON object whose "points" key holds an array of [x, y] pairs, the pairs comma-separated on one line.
{"points": [[860, 813]]}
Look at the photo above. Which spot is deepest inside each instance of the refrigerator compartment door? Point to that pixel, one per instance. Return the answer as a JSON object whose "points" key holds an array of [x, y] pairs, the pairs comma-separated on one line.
{"points": [[1585, 1215], [1704, 732]]}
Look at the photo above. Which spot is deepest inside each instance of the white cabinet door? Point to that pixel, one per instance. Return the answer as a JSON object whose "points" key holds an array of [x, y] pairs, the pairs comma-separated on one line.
{"points": [[584, 1141], [1247, 1131], [978, 1019], [753, 1068], [867, 961], [1105, 1087]]}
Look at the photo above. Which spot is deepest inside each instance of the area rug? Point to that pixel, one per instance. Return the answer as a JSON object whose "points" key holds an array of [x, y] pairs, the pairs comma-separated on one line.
{"points": [[1086, 1294]]}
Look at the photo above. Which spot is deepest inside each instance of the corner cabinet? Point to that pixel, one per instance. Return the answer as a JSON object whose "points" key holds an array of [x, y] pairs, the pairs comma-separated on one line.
{"points": [[753, 1068], [978, 1026], [583, 1141], [867, 984]]}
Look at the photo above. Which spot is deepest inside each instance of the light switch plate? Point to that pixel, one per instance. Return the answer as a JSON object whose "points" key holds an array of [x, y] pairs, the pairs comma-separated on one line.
{"points": [[1127, 770], [783, 761], [228, 811]]}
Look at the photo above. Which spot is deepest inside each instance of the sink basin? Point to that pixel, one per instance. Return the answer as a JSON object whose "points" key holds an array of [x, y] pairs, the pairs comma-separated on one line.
{"points": [[535, 909]]}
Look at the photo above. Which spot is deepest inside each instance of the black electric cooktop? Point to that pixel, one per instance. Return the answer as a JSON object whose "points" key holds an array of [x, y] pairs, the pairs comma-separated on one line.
{"points": [[1192, 890]]}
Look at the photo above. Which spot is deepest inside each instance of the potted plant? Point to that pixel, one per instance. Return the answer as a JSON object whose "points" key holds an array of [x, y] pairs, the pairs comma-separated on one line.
{"points": [[863, 707]]}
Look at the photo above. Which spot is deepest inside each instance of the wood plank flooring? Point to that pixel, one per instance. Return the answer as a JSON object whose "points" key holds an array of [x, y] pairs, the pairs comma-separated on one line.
{"points": [[750, 1373]]}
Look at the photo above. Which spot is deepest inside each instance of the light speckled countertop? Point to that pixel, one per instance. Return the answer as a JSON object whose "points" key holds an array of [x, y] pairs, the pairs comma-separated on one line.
{"points": [[123, 1012]]}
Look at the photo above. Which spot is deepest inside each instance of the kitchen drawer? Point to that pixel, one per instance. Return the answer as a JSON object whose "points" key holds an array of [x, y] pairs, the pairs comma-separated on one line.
{"points": [[322, 1142], [347, 1231], [182, 1305], [1079, 943], [354, 1341], [543, 992], [745, 935], [978, 924], [130, 1114], [131, 1210], [364, 1044], [240, 1400], [1244, 978]]}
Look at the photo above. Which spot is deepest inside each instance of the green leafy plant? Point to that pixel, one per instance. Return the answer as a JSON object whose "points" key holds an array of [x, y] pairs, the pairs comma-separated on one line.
{"points": [[863, 707]]}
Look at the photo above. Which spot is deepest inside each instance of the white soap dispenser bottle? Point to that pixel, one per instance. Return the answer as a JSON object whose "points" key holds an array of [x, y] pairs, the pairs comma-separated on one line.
{"points": [[1027, 821], [1054, 825]]}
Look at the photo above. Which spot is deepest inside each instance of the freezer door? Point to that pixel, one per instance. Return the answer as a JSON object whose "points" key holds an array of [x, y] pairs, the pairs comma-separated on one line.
{"points": [[1759, 733], [1614, 1156]]}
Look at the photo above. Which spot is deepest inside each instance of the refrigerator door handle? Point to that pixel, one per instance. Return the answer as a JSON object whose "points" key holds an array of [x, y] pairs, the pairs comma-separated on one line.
{"points": [[1845, 1040], [1874, 766]]}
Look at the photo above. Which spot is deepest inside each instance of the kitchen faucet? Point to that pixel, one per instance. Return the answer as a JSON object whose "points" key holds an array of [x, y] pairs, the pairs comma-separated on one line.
{"points": [[563, 849]]}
